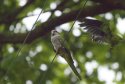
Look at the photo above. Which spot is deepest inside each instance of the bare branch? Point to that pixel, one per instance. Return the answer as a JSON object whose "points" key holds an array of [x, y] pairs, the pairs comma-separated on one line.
{"points": [[46, 27], [112, 3]]}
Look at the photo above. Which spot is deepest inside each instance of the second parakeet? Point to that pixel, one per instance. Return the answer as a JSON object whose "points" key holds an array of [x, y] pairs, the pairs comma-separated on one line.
{"points": [[100, 31]]}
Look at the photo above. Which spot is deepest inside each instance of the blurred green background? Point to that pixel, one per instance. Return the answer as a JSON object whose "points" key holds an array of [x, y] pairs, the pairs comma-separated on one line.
{"points": [[28, 61]]}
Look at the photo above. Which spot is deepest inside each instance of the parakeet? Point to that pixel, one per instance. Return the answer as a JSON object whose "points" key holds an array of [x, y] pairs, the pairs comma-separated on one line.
{"points": [[59, 47], [100, 31]]}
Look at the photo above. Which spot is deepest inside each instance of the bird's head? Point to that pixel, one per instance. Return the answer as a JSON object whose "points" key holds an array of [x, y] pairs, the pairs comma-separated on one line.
{"points": [[54, 32]]}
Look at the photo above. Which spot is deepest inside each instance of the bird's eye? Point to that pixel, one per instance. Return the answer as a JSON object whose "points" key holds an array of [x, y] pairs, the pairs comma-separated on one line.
{"points": [[53, 34]]}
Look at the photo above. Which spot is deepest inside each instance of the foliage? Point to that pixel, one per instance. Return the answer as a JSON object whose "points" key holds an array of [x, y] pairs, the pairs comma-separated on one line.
{"points": [[31, 61]]}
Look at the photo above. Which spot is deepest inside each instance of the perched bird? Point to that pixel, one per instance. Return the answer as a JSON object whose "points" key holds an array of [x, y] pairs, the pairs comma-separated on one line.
{"points": [[100, 31], [60, 49]]}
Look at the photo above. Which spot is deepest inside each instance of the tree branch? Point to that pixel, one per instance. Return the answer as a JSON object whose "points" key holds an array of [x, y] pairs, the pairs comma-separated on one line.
{"points": [[46, 27], [11, 17], [112, 3]]}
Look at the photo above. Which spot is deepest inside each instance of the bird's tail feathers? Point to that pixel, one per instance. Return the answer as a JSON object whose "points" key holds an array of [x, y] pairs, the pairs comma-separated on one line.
{"points": [[75, 71]]}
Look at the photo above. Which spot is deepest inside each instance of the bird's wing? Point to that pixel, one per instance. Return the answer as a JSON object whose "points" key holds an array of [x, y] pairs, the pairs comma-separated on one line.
{"points": [[95, 28], [91, 22], [92, 26]]}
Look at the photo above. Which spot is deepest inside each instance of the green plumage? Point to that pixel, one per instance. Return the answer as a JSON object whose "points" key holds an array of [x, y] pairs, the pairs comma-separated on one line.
{"points": [[67, 56]]}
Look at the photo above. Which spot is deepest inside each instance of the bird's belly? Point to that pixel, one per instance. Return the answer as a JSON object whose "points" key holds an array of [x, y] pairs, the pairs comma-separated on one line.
{"points": [[56, 44]]}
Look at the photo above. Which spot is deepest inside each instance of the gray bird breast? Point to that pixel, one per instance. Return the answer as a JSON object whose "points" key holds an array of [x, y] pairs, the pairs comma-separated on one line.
{"points": [[56, 42]]}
